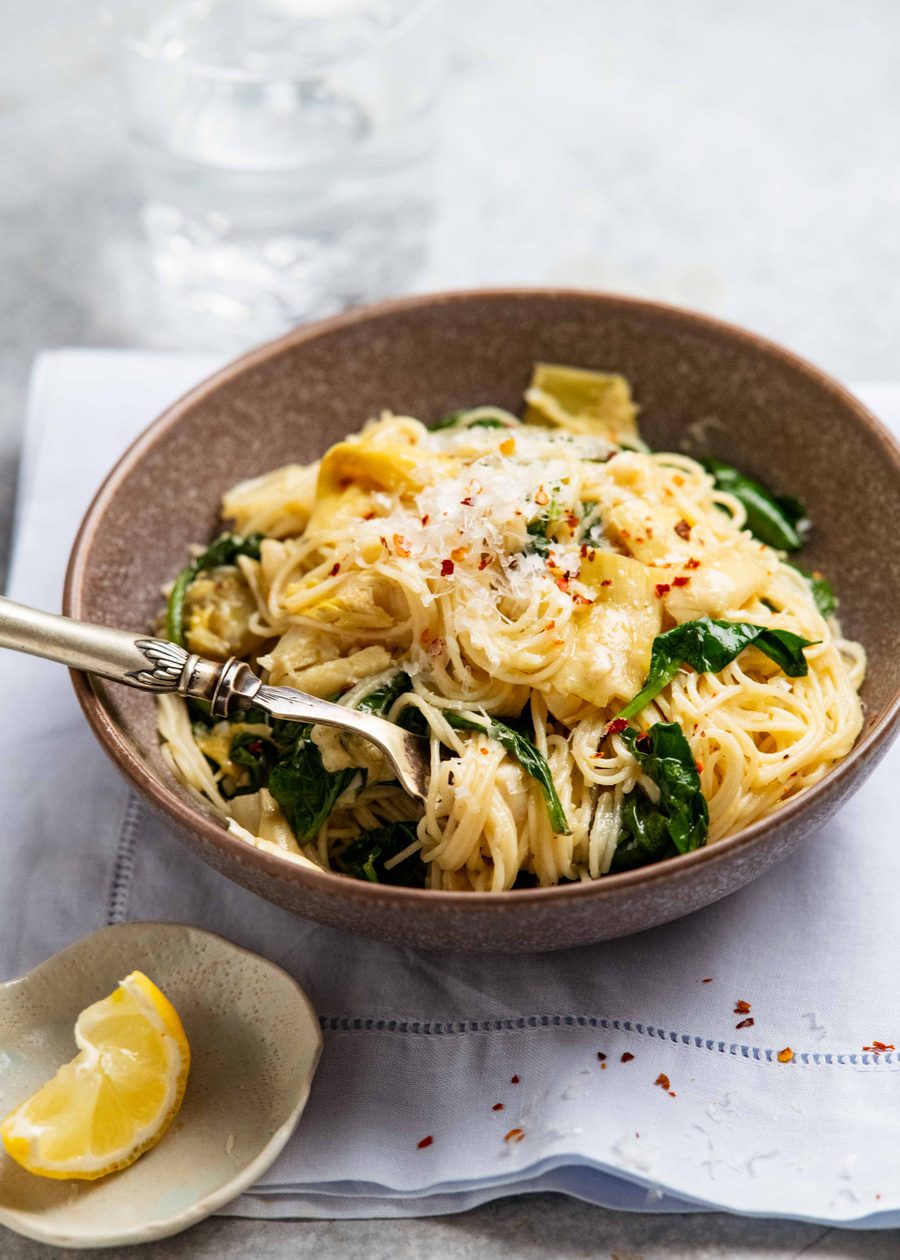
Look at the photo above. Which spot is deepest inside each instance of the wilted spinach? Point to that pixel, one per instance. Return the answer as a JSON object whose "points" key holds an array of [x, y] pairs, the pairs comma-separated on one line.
{"points": [[679, 821], [708, 646], [224, 550], [364, 857], [772, 518]]}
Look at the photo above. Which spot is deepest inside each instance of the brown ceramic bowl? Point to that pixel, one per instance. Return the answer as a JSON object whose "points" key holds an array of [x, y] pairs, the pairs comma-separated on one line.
{"points": [[780, 419]]}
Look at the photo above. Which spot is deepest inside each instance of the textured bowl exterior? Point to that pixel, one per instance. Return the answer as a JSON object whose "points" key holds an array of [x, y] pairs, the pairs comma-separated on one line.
{"points": [[760, 407]]}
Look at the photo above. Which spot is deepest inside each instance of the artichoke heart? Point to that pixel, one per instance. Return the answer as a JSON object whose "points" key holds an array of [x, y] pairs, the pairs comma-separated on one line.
{"points": [[362, 602], [615, 632], [598, 403], [218, 607], [351, 472]]}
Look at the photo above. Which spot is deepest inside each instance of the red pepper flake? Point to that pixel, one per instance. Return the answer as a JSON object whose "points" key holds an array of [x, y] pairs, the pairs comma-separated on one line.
{"points": [[678, 479], [425, 519], [426, 1141], [447, 567], [583, 550], [878, 1047], [626, 1057], [683, 529], [335, 570], [617, 725], [400, 546], [785, 1055], [571, 520], [707, 980], [551, 625], [514, 1135], [459, 554], [563, 583], [369, 516], [508, 446], [468, 501], [606, 582], [580, 599], [542, 498], [600, 1055], [663, 1081], [256, 748], [484, 561], [514, 1080], [699, 765], [692, 564], [662, 588], [497, 1107], [746, 1023], [741, 1007], [680, 581]]}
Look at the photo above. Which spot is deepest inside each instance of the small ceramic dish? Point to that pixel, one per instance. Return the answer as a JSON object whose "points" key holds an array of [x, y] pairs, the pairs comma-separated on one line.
{"points": [[704, 388], [255, 1043]]}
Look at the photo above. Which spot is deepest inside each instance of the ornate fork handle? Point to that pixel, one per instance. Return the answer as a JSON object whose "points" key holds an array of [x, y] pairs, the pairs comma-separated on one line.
{"points": [[132, 659], [156, 665]]}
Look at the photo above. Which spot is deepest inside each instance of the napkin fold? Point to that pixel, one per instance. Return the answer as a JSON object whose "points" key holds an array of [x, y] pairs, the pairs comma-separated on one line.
{"points": [[614, 1073]]}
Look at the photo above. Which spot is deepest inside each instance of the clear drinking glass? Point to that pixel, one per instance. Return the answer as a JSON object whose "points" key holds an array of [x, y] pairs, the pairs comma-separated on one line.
{"points": [[284, 148]]}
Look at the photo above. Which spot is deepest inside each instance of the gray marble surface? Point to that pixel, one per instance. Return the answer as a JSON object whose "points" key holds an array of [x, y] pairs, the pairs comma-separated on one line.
{"points": [[741, 159]]}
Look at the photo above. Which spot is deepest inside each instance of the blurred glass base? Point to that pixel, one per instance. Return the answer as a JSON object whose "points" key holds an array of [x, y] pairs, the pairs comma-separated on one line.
{"points": [[284, 150], [259, 283]]}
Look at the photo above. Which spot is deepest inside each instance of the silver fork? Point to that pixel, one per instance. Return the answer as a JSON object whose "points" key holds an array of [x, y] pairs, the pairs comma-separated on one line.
{"points": [[157, 665]]}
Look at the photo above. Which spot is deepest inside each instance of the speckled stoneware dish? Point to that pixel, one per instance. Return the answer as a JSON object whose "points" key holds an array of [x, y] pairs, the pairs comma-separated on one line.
{"points": [[255, 1043], [769, 412]]}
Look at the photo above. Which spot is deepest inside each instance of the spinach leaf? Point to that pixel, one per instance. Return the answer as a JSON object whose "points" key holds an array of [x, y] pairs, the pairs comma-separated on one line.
{"points": [[538, 530], [708, 646], [412, 719], [516, 743], [538, 542], [305, 790], [452, 419], [364, 857], [382, 699], [528, 757], [679, 822], [771, 518], [822, 591], [643, 834], [253, 752], [224, 550], [592, 535]]}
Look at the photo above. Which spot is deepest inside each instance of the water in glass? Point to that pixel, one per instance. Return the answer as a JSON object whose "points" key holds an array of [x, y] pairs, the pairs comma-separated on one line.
{"points": [[284, 149]]}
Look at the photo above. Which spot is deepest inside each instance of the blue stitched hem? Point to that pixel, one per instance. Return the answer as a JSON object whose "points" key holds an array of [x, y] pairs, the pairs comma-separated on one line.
{"points": [[123, 867], [525, 1023]]}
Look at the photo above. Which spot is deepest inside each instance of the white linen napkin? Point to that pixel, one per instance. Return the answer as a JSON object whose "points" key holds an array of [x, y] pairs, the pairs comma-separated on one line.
{"points": [[464, 1049]]}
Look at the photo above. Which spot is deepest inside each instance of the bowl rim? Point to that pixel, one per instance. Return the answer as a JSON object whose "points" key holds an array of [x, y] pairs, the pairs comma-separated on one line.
{"points": [[329, 884]]}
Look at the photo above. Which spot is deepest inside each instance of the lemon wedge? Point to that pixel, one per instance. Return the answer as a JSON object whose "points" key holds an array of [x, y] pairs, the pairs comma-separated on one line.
{"points": [[116, 1098]]}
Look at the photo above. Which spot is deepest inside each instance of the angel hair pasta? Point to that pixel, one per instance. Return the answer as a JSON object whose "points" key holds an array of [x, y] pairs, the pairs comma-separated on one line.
{"points": [[607, 647]]}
